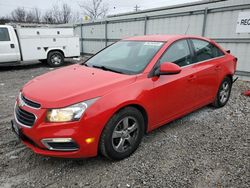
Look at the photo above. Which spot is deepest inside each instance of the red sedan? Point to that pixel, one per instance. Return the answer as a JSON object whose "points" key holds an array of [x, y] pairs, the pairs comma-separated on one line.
{"points": [[131, 87]]}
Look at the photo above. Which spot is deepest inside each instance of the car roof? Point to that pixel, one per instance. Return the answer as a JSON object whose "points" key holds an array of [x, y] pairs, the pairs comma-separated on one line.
{"points": [[163, 38]]}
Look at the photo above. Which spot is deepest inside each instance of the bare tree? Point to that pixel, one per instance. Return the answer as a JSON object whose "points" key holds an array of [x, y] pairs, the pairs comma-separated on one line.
{"points": [[19, 15], [66, 13], [4, 19], [58, 14], [95, 9], [37, 14], [75, 17], [55, 15], [48, 17], [30, 18]]}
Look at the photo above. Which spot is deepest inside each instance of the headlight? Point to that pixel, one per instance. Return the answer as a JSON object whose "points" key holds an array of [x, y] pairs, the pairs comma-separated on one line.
{"points": [[70, 113]]}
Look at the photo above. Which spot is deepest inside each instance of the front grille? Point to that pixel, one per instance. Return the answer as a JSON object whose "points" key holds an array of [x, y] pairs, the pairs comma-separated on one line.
{"points": [[30, 103], [24, 117]]}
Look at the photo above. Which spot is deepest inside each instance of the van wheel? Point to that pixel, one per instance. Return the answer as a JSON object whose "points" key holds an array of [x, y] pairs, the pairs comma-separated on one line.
{"points": [[223, 93], [43, 60], [55, 59], [122, 134]]}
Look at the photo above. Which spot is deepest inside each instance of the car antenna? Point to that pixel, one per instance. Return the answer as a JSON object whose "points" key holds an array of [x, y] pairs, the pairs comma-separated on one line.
{"points": [[187, 29]]}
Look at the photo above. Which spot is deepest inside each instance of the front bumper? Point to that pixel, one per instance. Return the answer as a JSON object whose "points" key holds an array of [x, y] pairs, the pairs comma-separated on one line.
{"points": [[34, 131], [34, 138]]}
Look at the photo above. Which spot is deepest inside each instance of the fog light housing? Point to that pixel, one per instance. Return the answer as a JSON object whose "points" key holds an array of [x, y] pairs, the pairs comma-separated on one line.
{"points": [[60, 144]]}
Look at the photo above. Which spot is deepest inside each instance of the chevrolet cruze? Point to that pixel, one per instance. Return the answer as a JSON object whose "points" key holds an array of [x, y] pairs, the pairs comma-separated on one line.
{"points": [[106, 104]]}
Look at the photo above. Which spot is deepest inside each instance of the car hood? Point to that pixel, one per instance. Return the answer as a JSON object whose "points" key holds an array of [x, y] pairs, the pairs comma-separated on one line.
{"points": [[73, 84]]}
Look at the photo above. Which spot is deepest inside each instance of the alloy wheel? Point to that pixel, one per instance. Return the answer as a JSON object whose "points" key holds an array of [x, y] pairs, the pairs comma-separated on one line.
{"points": [[125, 134], [224, 92]]}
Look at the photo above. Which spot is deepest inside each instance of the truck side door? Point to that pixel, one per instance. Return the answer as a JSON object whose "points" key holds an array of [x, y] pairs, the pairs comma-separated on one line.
{"points": [[9, 49]]}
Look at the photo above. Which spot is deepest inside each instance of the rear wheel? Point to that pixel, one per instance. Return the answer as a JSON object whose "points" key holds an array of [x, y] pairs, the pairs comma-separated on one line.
{"points": [[55, 59], [122, 134], [43, 61], [223, 93]]}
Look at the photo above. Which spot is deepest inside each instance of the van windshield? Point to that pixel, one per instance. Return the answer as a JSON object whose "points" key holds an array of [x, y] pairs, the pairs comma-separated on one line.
{"points": [[127, 57]]}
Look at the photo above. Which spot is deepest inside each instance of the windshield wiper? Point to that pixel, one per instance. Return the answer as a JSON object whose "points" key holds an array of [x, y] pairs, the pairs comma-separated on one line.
{"points": [[85, 64], [106, 69]]}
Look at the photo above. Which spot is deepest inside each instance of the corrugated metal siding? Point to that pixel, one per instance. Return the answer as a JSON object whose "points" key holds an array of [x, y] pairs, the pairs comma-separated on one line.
{"points": [[242, 52], [223, 25], [220, 25], [176, 25], [109, 43], [77, 31], [94, 31], [125, 29], [91, 47]]}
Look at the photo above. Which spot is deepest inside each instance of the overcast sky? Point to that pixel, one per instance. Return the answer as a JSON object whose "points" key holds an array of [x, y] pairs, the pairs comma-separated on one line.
{"points": [[115, 6]]}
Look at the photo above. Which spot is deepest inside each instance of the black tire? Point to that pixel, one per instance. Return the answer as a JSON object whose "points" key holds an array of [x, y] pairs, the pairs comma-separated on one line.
{"points": [[43, 61], [109, 144], [223, 94], [55, 59]]}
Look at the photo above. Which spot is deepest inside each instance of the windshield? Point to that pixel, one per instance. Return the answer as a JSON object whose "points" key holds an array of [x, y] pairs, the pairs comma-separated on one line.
{"points": [[127, 57]]}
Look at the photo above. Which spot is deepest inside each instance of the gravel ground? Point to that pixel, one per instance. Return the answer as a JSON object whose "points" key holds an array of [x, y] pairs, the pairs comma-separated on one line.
{"points": [[207, 148]]}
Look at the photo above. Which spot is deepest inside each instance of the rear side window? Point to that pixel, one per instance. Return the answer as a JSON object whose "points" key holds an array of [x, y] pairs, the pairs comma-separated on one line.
{"points": [[205, 50], [4, 34], [177, 53]]}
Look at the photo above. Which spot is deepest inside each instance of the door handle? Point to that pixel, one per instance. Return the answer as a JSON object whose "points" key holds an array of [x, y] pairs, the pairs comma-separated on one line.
{"points": [[218, 67], [12, 45], [192, 77]]}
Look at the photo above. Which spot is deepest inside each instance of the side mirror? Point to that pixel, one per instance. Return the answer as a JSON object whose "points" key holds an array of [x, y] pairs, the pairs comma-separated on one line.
{"points": [[167, 68]]}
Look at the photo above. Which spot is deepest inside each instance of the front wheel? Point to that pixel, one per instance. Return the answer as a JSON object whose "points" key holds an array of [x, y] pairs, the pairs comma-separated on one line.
{"points": [[55, 59], [223, 93], [122, 134]]}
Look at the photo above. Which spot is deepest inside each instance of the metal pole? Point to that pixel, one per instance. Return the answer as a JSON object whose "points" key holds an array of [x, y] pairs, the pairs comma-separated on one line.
{"points": [[106, 33], [81, 40], [204, 22], [145, 25]]}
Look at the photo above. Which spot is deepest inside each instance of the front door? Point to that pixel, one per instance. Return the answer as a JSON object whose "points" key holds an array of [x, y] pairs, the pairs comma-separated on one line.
{"points": [[8, 49], [175, 94]]}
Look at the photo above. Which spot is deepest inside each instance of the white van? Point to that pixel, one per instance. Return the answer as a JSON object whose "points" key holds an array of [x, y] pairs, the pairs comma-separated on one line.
{"points": [[45, 44]]}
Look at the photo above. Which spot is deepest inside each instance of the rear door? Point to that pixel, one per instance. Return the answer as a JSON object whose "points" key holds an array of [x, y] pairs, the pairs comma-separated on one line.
{"points": [[175, 94], [207, 63], [9, 50]]}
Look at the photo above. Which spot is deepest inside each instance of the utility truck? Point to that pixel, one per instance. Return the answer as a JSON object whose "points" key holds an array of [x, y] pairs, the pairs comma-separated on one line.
{"points": [[31, 43]]}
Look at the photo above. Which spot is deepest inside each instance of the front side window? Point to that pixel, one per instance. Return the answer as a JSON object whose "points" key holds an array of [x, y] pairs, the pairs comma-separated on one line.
{"points": [[177, 53], [128, 57], [4, 34], [205, 50]]}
